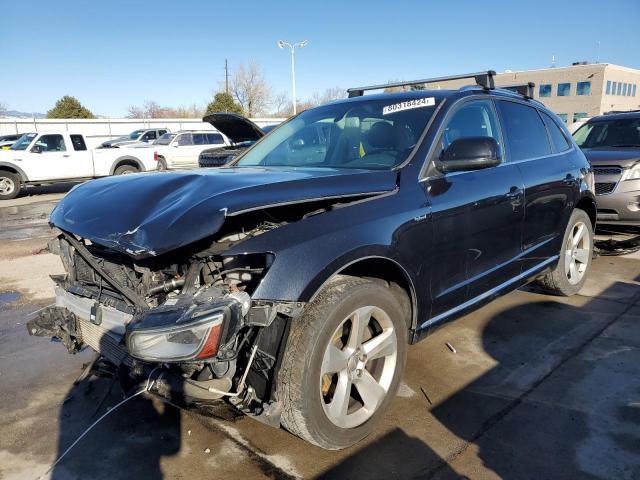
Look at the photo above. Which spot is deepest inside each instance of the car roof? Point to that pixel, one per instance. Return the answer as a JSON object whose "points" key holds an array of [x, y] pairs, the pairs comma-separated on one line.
{"points": [[616, 116], [439, 94]]}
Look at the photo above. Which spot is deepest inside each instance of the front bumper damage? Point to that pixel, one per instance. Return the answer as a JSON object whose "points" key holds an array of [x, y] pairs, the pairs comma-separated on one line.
{"points": [[237, 374]]}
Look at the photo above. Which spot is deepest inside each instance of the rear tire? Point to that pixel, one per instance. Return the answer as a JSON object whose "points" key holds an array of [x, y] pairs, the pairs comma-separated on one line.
{"points": [[125, 170], [162, 164], [10, 185], [335, 386], [576, 254]]}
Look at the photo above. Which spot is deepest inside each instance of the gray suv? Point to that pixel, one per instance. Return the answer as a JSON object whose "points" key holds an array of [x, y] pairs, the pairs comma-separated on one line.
{"points": [[611, 143]]}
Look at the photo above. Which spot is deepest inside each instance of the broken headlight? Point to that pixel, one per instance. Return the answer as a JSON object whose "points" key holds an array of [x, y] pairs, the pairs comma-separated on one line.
{"points": [[178, 334]]}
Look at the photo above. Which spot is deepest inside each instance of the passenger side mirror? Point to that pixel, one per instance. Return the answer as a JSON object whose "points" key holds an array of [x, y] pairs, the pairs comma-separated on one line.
{"points": [[470, 153], [36, 149], [297, 144]]}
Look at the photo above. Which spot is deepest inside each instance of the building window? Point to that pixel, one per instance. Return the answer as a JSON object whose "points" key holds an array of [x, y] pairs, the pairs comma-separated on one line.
{"points": [[563, 117], [619, 90], [583, 88], [624, 89], [545, 90], [564, 89], [634, 89], [608, 87], [579, 116], [613, 88]]}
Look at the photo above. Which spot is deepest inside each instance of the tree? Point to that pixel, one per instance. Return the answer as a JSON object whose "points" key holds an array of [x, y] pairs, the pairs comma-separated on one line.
{"points": [[223, 102], [69, 107], [329, 95], [3, 108], [251, 90], [152, 109]]}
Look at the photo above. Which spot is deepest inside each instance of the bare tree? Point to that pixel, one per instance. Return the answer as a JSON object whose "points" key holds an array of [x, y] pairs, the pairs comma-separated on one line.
{"points": [[3, 108], [329, 95], [251, 90], [281, 104]]}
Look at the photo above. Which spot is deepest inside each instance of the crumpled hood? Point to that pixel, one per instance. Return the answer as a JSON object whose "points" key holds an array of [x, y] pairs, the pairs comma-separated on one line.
{"points": [[624, 157], [150, 214]]}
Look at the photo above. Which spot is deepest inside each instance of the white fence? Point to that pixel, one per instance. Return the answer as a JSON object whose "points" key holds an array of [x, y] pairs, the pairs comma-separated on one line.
{"points": [[98, 130]]}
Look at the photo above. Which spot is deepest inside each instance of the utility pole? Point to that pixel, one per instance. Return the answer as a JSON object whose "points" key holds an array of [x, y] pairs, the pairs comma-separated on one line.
{"points": [[226, 77]]}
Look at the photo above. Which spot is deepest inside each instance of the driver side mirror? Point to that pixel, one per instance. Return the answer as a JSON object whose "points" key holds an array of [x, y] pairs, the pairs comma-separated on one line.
{"points": [[36, 149], [470, 153]]}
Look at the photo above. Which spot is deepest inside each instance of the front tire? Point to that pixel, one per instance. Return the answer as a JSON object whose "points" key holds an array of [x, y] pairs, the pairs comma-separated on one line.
{"points": [[576, 254], [343, 362], [9, 185]]}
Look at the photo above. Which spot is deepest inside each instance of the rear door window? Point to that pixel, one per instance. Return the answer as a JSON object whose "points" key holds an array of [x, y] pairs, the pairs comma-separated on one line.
{"points": [[199, 139], [524, 131], [78, 143], [558, 140], [185, 140], [214, 139]]}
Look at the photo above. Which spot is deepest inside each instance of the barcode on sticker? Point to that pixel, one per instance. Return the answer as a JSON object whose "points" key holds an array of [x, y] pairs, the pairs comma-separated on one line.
{"points": [[408, 105]]}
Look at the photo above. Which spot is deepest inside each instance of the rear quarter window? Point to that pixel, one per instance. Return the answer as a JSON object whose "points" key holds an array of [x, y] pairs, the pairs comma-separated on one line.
{"points": [[558, 139], [78, 143], [525, 133]]}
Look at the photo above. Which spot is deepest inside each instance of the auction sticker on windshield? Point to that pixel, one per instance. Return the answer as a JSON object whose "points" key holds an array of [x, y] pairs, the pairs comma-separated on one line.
{"points": [[408, 105]]}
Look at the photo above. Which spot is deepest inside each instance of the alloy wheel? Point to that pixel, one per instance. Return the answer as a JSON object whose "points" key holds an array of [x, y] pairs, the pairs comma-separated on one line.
{"points": [[577, 253], [7, 186], [358, 367]]}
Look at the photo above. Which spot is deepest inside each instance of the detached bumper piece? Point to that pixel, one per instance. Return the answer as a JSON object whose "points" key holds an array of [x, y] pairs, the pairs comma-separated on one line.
{"points": [[59, 323]]}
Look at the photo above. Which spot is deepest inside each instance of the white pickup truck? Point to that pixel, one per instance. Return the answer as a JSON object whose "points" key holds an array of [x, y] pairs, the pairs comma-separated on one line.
{"points": [[51, 157]]}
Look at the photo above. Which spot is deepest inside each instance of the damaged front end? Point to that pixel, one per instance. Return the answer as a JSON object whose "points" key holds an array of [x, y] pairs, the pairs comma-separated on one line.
{"points": [[189, 312]]}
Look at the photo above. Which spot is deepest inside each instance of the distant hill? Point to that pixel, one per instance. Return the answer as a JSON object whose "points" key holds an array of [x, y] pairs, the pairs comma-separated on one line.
{"points": [[17, 114]]}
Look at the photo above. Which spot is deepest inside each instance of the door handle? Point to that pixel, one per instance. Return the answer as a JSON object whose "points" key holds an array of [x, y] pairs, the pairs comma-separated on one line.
{"points": [[514, 195], [66, 156]]}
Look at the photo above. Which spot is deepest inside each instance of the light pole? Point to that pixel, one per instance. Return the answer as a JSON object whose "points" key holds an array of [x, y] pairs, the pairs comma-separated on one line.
{"points": [[292, 47]]}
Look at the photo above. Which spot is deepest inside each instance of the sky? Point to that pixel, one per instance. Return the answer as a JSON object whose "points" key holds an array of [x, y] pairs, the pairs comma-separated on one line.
{"points": [[117, 53]]}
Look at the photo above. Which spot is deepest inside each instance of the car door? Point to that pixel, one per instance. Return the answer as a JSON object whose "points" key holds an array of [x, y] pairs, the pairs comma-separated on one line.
{"points": [[48, 158], [81, 158], [477, 217], [180, 150], [548, 179]]}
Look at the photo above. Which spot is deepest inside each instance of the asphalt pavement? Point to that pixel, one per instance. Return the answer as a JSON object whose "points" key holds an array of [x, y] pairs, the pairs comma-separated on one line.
{"points": [[538, 387]]}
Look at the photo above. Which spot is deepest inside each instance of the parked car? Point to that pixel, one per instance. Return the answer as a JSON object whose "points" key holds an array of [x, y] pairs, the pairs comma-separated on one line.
{"points": [[144, 136], [288, 286], [7, 140], [51, 157], [241, 133], [611, 143], [181, 149]]}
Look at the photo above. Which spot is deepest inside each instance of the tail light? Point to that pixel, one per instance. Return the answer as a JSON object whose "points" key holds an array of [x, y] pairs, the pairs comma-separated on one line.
{"points": [[155, 156]]}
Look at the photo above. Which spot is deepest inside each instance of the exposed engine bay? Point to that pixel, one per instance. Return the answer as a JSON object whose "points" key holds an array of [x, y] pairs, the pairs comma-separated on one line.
{"points": [[190, 311]]}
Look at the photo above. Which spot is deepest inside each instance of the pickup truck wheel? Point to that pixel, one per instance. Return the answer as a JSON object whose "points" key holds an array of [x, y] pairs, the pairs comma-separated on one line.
{"points": [[162, 164], [575, 258], [343, 363], [9, 185], [125, 170]]}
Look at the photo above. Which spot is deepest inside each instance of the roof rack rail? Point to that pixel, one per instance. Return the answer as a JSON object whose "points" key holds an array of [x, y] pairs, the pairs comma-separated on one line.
{"points": [[484, 79], [524, 89], [613, 112]]}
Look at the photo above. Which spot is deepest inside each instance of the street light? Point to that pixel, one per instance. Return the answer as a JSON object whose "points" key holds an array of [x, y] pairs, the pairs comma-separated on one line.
{"points": [[282, 44]]}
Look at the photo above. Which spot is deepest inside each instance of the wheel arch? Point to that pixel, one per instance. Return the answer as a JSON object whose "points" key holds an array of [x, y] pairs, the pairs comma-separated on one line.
{"points": [[376, 267], [10, 167], [589, 206], [126, 160]]}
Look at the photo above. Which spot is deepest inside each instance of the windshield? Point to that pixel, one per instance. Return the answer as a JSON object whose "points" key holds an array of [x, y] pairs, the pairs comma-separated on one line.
{"points": [[165, 139], [610, 133], [134, 135], [23, 142], [378, 134]]}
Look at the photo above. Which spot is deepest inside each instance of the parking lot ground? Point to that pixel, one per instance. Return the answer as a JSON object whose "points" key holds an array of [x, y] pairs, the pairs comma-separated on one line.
{"points": [[538, 387]]}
